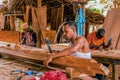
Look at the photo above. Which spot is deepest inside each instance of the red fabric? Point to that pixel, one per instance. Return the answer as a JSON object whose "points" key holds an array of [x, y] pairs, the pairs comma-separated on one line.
{"points": [[54, 75], [33, 79]]}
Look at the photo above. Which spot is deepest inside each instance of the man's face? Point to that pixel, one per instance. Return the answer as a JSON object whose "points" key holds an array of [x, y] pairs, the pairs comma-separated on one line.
{"points": [[101, 35], [24, 29], [25, 26], [67, 32]]}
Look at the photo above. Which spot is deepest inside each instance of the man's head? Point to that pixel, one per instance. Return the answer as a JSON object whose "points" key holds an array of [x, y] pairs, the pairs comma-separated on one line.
{"points": [[100, 33], [69, 29], [25, 26], [29, 31]]}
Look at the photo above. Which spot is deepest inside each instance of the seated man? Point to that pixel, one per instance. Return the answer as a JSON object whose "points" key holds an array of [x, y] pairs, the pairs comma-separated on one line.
{"points": [[29, 37], [97, 39]]}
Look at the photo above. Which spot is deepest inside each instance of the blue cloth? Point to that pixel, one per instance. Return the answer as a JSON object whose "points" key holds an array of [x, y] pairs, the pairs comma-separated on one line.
{"points": [[80, 20]]}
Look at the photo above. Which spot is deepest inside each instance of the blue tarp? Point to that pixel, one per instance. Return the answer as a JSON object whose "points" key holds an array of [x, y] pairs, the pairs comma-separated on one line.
{"points": [[80, 20]]}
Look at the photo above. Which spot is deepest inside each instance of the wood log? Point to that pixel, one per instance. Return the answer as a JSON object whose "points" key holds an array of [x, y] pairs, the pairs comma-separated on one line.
{"points": [[82, 65]]}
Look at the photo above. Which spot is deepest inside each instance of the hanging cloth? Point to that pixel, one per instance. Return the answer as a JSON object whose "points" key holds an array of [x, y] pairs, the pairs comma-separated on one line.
{"points": [[80, 20]]}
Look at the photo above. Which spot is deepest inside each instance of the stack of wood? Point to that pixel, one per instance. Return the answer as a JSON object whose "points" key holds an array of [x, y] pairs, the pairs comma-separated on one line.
{"points": [[93, 18]]}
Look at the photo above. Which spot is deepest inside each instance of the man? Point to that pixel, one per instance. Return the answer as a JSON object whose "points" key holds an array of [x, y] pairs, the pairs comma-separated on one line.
{"points": [[29, 37], [79, 45], [97, 39]]}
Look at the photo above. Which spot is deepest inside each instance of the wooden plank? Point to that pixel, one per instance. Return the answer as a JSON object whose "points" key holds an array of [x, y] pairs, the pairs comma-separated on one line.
{"points": [[118, 43], [36, 26], [41, 16], [50, 34], [39, 3], [12, 26], [34, 21], [27, 14], [10, 36], [112, 26], [81, 64], [2, 21], [39, 22]]}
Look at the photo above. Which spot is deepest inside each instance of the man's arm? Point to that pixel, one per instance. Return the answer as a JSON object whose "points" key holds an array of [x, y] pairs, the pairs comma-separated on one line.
{"points": [[79, 43], [72, 49], [108, 44], [93, 46]]}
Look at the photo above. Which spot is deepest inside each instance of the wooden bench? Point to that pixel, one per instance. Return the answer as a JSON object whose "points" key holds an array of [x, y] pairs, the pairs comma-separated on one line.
{"points": [[10, 36]]}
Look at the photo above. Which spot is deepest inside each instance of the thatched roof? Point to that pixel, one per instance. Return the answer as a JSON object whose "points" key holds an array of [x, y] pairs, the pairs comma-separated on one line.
{"points": [[15, 6], [94, 18]]}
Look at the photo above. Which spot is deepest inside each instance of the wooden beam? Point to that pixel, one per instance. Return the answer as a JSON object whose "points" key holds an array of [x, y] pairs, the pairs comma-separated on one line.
{"points": [[14, 14]]}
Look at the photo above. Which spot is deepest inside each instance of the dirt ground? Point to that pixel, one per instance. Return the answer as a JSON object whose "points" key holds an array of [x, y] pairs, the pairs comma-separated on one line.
{"points": [[11, 69], [8, 68]]}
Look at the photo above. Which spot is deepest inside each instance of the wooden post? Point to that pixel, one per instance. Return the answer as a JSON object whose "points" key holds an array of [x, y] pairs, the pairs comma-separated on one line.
{"points": [[38, 32], [62, 13], [39, 3], [26, 17]]}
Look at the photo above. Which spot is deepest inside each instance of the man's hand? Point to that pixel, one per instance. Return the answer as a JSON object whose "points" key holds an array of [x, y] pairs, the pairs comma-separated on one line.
{"points": [[46, 62], [109, 42]]}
